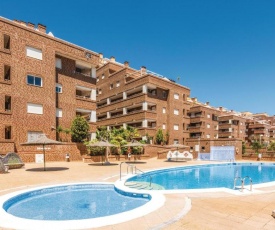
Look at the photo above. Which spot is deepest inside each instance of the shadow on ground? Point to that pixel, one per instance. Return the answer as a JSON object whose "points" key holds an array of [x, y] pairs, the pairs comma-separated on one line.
{"points": [[47, 169], [102, 164], [179, 161], [135, 162]]}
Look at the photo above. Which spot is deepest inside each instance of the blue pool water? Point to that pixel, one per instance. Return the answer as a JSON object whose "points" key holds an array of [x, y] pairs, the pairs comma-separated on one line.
{"points": [[73, 202], [209, 176]]}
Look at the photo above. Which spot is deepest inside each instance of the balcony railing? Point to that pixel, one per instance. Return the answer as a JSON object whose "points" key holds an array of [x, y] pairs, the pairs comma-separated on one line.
{"points": [[84, 97]]}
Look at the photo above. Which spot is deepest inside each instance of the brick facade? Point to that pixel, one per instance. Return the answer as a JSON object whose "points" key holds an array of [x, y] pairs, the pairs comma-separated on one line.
{"points": [[16, 92]]}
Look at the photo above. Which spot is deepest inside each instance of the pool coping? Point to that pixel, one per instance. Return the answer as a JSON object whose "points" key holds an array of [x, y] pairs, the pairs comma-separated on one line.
{"points": [[9, 221]]}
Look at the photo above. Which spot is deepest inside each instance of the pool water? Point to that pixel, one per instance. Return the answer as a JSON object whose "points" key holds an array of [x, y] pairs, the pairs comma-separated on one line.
{"points": [[209, 176], [73, 202]]}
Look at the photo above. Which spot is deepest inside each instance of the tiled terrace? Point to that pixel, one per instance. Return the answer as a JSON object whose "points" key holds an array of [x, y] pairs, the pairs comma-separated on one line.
{"points": [[209, 210]]}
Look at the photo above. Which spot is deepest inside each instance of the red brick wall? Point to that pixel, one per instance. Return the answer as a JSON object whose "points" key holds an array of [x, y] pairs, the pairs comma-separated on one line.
{"points": [[21, 93]]}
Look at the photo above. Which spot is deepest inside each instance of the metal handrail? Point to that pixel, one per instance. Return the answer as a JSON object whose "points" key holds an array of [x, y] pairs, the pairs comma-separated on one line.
{"points": [[142, 173], [135, 171], [251, 183], [235, 180]]}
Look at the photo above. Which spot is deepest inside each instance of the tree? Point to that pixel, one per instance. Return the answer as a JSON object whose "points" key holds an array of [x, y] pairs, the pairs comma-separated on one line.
{"points": [[102, 133], [159, 137], [271, 146], [256, 146], [130, 133], [243, 147], [79, 129]]}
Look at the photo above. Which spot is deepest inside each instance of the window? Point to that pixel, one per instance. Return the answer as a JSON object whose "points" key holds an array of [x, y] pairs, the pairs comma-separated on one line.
{"points": [[184, 97], [58, 112], [102, 77], [34, 53], [183, 112], [93, 116], [7, 132], [58, 88], [117, 84], [7, 73], [163, 110], [208, 115], [176, 141], [58, 63], [208, 126], [32, 80], [99, 91], [97, 79], [34, 108], [7, 103], [176, 127], [176, 111], [176, 96], [6, 42], [207, 136], [32, 135], [164, 94], [111, 86], [163, 126]]}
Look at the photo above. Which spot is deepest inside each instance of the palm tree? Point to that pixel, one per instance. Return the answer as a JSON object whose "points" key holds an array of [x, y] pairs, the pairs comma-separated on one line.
{"points": [[256, 145]]}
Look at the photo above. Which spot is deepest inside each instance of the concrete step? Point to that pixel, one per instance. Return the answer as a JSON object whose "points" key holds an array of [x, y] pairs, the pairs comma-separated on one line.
{"points": [[142, 185]]}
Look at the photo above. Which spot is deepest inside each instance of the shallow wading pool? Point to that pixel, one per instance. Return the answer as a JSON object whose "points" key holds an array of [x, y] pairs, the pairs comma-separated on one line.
{"points": [[74, 206]]}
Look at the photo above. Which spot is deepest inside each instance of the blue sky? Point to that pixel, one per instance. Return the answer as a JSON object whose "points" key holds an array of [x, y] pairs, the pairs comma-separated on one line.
{"points": [[224, 51]]}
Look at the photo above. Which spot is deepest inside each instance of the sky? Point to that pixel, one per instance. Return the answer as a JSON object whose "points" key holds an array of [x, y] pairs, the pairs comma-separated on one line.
{"points": [[224, 51]]}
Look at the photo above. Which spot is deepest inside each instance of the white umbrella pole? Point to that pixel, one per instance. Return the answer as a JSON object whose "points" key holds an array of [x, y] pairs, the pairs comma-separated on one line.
{"points": [[44, 157]]}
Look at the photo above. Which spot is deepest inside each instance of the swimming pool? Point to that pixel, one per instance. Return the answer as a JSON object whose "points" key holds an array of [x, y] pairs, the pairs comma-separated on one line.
{"points": [[74, 206], [208, 176], [73, 202]]}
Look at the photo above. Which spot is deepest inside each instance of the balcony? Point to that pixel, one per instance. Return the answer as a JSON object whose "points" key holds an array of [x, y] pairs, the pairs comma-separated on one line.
{"points": [[195, 135], [85, 93], [259, 131], [101, 103], [116, 98], [83, 69], [255, 126], [116, 114]]}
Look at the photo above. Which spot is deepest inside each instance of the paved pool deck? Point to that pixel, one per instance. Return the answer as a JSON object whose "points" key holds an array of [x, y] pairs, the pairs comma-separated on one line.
{"points": [[219, 210]]}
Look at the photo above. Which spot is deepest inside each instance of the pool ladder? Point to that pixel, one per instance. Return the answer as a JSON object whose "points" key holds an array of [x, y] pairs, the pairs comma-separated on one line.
{"points": [[133, 170], [242, 181]]}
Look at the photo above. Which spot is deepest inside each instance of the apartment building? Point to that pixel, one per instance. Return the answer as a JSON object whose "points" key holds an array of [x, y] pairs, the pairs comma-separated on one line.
{"points": [[141, 99], [44, 83], [203, 120], [232, 125], [211, 126], [258, 128]]}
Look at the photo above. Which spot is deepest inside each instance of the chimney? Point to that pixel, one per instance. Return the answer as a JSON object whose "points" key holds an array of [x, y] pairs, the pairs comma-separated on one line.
{"points": [[194, 99], [207, 103], [23, 23], [100, 55], [221, 108], [126, 64], [41, 28], [143, 70], [112, 59], [31, 25]]}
